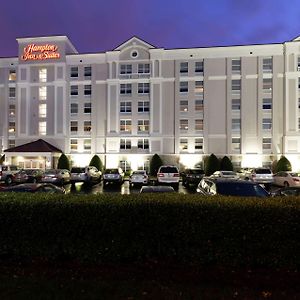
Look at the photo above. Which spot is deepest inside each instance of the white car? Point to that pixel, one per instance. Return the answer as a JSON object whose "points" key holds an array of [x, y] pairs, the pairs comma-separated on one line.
{"points": [[287, 179], [225, 174], [139, 178], [168, 175]]}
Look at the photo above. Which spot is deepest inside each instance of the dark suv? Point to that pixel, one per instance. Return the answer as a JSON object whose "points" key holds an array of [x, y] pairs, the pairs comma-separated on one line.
{"points": [[191, 177]]}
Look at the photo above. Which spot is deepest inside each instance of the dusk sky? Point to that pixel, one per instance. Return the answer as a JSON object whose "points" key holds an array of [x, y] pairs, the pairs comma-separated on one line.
{"points": [[98, 26]]}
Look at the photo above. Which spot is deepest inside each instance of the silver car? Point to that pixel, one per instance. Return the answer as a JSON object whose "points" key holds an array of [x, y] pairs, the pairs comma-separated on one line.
{"points": [[139, 178], [56, 176], [88, 175]]}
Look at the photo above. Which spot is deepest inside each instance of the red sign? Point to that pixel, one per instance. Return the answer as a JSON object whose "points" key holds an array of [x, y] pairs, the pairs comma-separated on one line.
{"points": [[40, 52]]}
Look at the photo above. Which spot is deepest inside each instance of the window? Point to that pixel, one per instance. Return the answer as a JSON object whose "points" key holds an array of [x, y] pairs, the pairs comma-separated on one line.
{"points": [[143, 106], [298, 123], [87, 144], [267, 103], [11, 143], [267, 143], [73, 108], [184, 68], [298, 83], [74, 90], [236, 144], [143, 126], [184, 87], [198, 124], [198, 144], [43, 75], [199, 107], [183, 125], [299, 103], [236, 87], [74, 144], [126, 69], [12, 75], [42, 128], [125, 107], [143, 144], [43, 110], [267, 124], [74, 72], [184, 105], [236, 104], [43, 93], [125, 126], [87, 109], [236, 124], [236, 66], [87, 126], [267, 85], [143, 68], [267, 65], [183, 144], [143, 88], [88, 71], [11, 127], [12, 92], [73, 127], [199, 67], [125, 144], [87, 90], [125, 89], [199, 88], [12, 110]]}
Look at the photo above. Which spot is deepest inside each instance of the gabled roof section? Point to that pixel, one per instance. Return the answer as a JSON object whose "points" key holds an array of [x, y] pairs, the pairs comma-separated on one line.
{"points": [[36, 146], [133, 42], [296, 39]]}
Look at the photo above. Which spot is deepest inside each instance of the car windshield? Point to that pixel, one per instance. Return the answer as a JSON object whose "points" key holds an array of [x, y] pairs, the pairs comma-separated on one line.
{"points": [[241, 189], [263, 171], [138, 173], [51, 172], [226, 173], [111, 171], [78, 170], [168, 170], [195, 171]]}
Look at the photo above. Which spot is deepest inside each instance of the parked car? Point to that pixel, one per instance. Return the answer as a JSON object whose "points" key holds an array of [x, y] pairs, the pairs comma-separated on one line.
{"points": [[139, 177], [259, 175], [113, 176], [7, 173], [287, 179], [225, 174], [34, 188], [28, 175], [230, 187], [157, 189], [56, 176], [287, 191], [168, 175], [191, 177], [88, 175]]}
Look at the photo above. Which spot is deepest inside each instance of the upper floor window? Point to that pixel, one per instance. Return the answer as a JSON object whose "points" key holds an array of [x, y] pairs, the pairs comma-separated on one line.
{"points": [[143, 68], [267, 144], [125, 126], [236, 66], [143, 88], [267, 124], [125, 107], [73, 126], [143, 144], [267, 85], [184, 105], [43, 75], [267, 103], [125, 144], [74, 108], [198, 124], [43, 110], [236, 104], [12, 92], [267, 65], [143, 106], [74, 90], [199, 89], [87, 90], [87, 108], [183, 144], [199, 107], [126, 69], [183, 87], [125, 89], [298, 64], [236, 144], [42, 128], [74, 72], [87, 126], [236, 87], [11, 127], [236, 124], [87, 144], [199, 67], [88, 71], [143, 125], [199, 144], [12, 110], [184, 68], [12, 75], [184, 125], [74, 144], [43, 93]]}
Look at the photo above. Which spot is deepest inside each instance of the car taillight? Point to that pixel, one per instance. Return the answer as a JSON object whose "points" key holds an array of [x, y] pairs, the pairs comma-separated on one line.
{"points": [[160, 174], [176, 175]]}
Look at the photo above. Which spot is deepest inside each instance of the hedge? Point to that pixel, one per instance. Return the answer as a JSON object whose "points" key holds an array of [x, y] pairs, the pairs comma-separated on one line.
{"points": [[132, 228]]}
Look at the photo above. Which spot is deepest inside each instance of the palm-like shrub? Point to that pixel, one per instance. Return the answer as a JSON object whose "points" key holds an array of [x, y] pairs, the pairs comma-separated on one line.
{"points": [[155, 163], [226, 164], [96, 162], [63, 162], [283, 165], [212, 165]]}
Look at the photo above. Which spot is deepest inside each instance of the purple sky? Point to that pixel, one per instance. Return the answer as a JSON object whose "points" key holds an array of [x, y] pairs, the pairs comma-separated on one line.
{"points": [[98, 25]]}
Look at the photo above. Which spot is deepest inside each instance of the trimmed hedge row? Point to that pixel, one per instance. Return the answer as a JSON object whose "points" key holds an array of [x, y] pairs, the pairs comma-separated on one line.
{"points": [[129, 228]]}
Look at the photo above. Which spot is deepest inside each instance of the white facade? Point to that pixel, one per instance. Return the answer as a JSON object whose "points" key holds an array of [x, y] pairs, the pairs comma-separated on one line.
{"points": [[127, 104]]}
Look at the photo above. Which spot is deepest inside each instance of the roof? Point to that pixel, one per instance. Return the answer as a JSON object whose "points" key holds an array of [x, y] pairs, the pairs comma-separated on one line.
{"points": [[36, 146]]}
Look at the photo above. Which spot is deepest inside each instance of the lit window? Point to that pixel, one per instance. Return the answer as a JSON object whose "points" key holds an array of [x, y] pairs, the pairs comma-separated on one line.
{"points": [[143, 106], [126, 69], [236, 144], [198, 124], [267, 103], [236, 66], [143, 125], [73, 127], [267, 85], [12, 75], [87, 108], [88, 72], [125, 144], [42, 92], [267, 65], [87, 90], [267, 143], [198, 144], [12, 110], [236, 124], [87, 126], [125, 107], [143, 88], [74, 72], [125, 89], [183, 87], [87, 144], [43, 110], [267, 124], [183, 144], [183, 125], [74, 90], [11, 127], [125, 126], [43, 75], [74, 144], [42, 128], [184, 68], [199, 67], [143, 144], [184, 105], [12, 92], [74, 108], [199, 89], [143, 68], [199, 105], [236, 104]]}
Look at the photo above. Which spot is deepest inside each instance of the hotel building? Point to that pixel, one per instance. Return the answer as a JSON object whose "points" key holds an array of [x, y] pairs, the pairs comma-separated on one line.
{"points": [[137, 100]]}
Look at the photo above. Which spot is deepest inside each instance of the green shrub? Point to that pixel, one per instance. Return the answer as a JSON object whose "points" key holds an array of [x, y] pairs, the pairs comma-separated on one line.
{"points": [[283, 165], [212, 165], [155, 163], [96, 162], [63, 162], [226, 164]]}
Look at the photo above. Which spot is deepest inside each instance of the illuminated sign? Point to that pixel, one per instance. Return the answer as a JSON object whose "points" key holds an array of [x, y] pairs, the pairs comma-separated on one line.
{"points": [[40, 52]]}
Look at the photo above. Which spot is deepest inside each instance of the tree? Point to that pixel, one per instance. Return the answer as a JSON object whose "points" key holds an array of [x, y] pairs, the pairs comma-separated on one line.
{"points": [[212, 165], [283, 165], [96, 162], [226, 164], [63, 162], [155, 163]]}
